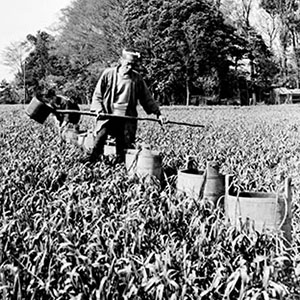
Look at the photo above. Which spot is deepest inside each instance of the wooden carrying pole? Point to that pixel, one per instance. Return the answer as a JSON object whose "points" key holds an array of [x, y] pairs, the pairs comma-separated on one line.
{"points": [[109, 116]]}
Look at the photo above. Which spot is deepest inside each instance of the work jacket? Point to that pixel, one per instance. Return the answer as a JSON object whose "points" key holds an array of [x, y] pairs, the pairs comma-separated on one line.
{"points": [[103, 97]]}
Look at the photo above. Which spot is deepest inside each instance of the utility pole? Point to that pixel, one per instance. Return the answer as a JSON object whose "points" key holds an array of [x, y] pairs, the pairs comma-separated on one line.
{"points": [[24, 80]]}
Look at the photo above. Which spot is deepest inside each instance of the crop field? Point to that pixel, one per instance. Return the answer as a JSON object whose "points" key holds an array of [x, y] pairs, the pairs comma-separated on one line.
{"points": [[75, 231]]}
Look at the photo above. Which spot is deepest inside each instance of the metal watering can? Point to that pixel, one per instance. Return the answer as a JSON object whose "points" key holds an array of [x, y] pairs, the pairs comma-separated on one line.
{"points": [[39, 110]]}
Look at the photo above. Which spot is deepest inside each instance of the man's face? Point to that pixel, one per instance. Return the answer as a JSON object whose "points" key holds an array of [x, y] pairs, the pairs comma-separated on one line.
{"points": [[128, 63]]}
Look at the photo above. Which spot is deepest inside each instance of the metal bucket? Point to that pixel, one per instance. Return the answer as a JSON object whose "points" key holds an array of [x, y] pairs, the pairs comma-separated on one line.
{"points": [[214, 186], [38, 110], [190, 182], [143, 162], [264, 210]]}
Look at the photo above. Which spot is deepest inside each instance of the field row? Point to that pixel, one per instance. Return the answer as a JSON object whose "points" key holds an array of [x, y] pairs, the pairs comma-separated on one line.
{"points": [[91, 232]]}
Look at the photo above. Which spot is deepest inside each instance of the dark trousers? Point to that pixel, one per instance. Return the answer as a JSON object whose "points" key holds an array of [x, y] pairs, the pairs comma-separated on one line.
{"points": [[124, 132]]}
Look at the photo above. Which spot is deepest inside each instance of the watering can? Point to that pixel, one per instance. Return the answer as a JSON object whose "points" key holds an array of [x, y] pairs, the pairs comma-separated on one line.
{"points": [[39, 110]]}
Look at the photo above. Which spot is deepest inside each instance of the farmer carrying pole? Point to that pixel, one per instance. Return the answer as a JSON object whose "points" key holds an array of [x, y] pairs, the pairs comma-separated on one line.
{"points": [[117, 93]]}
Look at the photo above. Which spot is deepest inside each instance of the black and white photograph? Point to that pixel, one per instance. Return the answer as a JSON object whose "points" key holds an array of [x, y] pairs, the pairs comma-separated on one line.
{"points": [[150, 150]]}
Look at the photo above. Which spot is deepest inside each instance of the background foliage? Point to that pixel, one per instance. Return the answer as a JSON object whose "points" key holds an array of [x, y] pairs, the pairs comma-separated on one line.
{"points": [[189, 47], [74, 231]]}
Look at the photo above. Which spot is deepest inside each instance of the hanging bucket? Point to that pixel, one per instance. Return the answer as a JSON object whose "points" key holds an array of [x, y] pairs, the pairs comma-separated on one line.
{"points": [[38, 110], [214, 186], [190, 182], [264, 210], [143, 162]]}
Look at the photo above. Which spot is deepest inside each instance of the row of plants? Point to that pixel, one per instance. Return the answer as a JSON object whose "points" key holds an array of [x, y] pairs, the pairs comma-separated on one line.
{"points": [[75, 231]]}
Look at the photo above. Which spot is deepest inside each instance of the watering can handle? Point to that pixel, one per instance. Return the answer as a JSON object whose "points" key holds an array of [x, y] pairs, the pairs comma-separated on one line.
{"points": [[124, 117], [286, 198], [285, 212]]}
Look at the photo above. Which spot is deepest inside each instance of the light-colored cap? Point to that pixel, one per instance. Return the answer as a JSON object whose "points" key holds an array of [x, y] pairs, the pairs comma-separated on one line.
{"points": [[126, 53]]}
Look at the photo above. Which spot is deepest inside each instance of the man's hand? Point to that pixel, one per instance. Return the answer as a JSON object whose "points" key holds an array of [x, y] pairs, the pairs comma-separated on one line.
{"points": [[162, 119], [100, 113]]}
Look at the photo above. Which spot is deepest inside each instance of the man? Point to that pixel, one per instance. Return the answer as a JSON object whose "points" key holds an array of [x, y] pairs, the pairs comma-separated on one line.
{"points": [[62, 103], [118, 92]]}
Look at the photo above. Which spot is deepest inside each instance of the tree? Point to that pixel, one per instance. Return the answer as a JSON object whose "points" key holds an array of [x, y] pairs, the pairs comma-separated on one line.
{"points": [[287, 12], [36, 64], [14, 55], [84, 48], [8, 94], [257, 56], [182, 42], [92, 31], [269, 27]]}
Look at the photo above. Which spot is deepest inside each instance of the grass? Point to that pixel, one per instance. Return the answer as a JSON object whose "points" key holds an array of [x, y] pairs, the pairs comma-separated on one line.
{"points": [[71, 231]]}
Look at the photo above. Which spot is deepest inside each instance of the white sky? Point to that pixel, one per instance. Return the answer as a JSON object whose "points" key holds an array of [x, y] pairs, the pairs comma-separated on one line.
{"points": [[21, 17]]}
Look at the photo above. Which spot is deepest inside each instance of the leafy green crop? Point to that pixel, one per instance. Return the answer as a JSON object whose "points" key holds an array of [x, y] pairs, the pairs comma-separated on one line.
{"points": [[72, 231]]}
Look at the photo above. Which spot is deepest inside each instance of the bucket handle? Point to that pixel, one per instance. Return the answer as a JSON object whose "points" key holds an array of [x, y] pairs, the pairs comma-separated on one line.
{"points": [[219, 200], [134, 161], [286, 197], [285, 212], [237, 206]]}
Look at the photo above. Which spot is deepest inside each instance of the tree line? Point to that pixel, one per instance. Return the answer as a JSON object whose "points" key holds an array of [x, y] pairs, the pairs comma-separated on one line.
{"points": [[209, 48]]}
